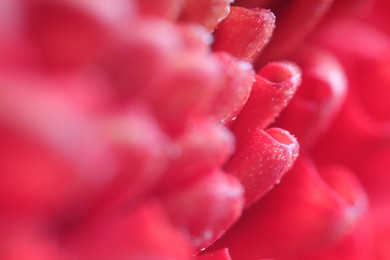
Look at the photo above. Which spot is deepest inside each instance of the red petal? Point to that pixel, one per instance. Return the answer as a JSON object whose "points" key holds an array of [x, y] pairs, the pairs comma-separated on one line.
{"points": [[186, 92], [236, 87], [305, 212], [261, 160], [295, 19], [51, 144], [206, 209], [201, 150], [275, 85], [318, 99], [68, 33], [144, 233], [252, 28]]}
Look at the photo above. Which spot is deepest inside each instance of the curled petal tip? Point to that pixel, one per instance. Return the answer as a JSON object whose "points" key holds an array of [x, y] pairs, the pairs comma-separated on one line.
{"points": [[253, 28], [261, 160], [275, 85], [318, 99]]}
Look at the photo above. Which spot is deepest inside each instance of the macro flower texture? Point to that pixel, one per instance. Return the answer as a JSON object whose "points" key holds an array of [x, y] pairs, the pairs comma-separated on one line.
{"points": [[194, 129]]}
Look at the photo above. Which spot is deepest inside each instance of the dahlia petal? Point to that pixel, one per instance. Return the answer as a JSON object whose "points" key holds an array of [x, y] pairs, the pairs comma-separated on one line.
{"points": [[275, 85], [359, 134], [294, 24], [360, 123], [68, 33], [206, 209], [318, 99], [137, 63], [198, 152], [49, 143], [113, 138], [253, 28], [365, 113], [366, 62], [363, 121], [305, 211], [261, 160], [236, 87], [186, 92], [357, 245], [143, 233], [371, 43], [138, 142], [207, 13]]}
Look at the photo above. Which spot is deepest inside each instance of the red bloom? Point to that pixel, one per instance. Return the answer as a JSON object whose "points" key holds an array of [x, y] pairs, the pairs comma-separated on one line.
{"points": [[204, 129]]}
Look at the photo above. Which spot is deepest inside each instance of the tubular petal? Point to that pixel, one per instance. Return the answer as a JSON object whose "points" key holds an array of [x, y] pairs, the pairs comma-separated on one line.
{"points": [[318, 99], [304, 211], [137, 63], [360, 123], [253, 28], [139, 129], [206, 209], [261, 160], [198, 152], [139, 144], [275, 85], [238, 78], [186, 91]]}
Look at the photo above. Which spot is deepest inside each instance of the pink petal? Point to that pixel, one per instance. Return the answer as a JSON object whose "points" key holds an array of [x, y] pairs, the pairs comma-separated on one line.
{"points": [[304, 213], [275, 85], [144, 233], [206, 209], [253, 28], [198, 152], [318, 99], [261, 160], [238, 78]]}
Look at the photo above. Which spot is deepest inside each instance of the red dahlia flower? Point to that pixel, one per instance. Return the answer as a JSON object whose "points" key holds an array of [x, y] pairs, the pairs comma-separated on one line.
{"points": [[194, 129]]}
